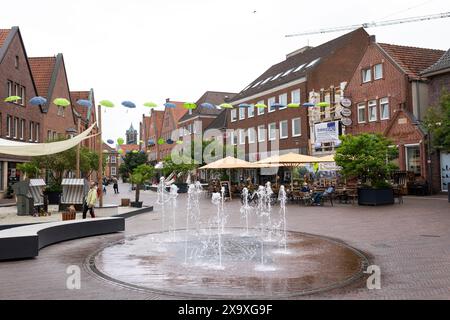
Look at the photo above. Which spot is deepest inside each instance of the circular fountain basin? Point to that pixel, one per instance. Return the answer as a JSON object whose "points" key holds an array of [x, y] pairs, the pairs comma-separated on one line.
{"points": [[187, 264]]}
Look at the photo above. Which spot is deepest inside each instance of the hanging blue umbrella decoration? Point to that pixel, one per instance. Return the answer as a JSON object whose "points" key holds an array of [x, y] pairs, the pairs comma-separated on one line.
{"points": [[110, 141], [38, 101], [208, 105], [151, 142], [129, 105], [278, 105], [84, 103], [170, 141], [245, 105], [308, 104], [170, 105]]}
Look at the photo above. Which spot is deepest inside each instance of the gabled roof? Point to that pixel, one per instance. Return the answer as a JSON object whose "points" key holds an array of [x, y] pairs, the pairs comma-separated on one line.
{"points": [[297, 65], [42, 69], [84, 112], [412, 60], [108, 148], [213, 97], [442, 65], [220, 122], [3, 35], [156, 119]]}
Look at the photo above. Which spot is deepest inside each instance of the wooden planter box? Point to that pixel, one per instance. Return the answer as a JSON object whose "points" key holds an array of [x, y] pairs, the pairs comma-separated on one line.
{"points": [[125, 203], [375, 197], [66, 216]]}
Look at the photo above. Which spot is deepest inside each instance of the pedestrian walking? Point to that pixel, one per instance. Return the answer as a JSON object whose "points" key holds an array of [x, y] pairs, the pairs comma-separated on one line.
{"points": [[115, 185], [90, 201]]}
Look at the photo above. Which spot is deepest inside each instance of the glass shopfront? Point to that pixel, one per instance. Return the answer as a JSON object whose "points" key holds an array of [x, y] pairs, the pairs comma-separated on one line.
{"points": [[445, 171]]}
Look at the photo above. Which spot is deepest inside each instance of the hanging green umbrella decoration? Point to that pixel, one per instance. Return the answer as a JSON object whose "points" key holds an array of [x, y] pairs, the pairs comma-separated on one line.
{"points": [[293, 105], [161, 141], [190, 106], [61, 102], [150, 105], [13, 99], [226, 106], [260, 106], [120, 141], [323, 104]]}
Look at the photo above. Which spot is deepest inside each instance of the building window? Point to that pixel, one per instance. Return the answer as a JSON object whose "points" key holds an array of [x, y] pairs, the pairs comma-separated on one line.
{"points": [[22, 95], [16, 127], [378, 71], [272, 131], [60, 111], [384, 109], [271, 102], [31, 130], [413, 159], [251, 135], [261, 133], [251, 111], [49, 135], [22, 129], [241, 113], [10, 88], [113, 171], [282, 98], [260, 110], [113, 159], [366, 75], [296, 127], [233, 138], [361, 113], [107, 159], [373, 111], [284, 129], [241, 136], [8, 126], [233, 115], [37, 136], [295, 96]]}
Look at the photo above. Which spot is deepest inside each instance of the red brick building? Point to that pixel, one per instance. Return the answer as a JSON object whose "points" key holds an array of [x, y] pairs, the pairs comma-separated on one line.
{"points": [[18, 121], [291, 81], [390, 96], [87, 115], [50, 76], [151, 128], [112, 161], [169, 128], [439, 81]]}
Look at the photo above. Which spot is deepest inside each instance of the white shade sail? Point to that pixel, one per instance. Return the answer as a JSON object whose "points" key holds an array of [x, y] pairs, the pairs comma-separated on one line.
{"points": [[24, 149]]}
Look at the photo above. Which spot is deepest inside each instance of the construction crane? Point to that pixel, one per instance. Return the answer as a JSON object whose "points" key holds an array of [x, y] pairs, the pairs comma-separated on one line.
{"points": [[374, 24]]}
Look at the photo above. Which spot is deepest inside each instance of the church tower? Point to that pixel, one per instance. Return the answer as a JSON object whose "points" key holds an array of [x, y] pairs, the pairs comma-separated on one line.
{"points": [[131, 135]]}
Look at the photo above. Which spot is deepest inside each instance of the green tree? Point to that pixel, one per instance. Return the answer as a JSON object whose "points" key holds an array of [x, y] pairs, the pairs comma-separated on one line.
{"points": [[132, 161], [140, 175], [30, 170], [437, 121], [367, 157]]}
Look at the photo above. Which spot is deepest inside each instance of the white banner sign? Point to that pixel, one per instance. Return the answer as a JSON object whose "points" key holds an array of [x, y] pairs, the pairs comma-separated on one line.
{"points": [[327, 131]]}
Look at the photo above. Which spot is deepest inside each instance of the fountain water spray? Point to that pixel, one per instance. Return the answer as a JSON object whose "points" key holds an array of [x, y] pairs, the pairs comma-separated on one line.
{"points": [[245, 208], [282, 198], [173, 199], [163, 198], [217, 200]]}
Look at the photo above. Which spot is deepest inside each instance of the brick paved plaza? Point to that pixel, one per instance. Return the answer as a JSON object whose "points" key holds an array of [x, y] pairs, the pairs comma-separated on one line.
{"points": [[410, 243]]}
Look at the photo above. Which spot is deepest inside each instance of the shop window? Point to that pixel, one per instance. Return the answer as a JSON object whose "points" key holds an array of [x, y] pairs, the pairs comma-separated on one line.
{"points": [[413, 159]]}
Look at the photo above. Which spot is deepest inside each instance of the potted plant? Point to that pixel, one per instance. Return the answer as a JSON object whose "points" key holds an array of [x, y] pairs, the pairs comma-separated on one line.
{"points": [[368, 157], [140, 175], [53, 193], [182, 168]]}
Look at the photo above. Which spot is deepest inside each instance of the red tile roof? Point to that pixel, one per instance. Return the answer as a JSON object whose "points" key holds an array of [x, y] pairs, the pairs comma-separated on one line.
{"points": [[42, 70], [108, 148], [413, 60], [3, 35]]}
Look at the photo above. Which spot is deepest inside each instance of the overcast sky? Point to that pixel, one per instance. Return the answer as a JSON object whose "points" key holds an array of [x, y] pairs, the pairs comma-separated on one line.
{"points": [[149, 50]]}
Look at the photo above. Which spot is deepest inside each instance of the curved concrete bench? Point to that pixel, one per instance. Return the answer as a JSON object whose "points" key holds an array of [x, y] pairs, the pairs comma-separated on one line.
{"points": [[25, 242]]}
